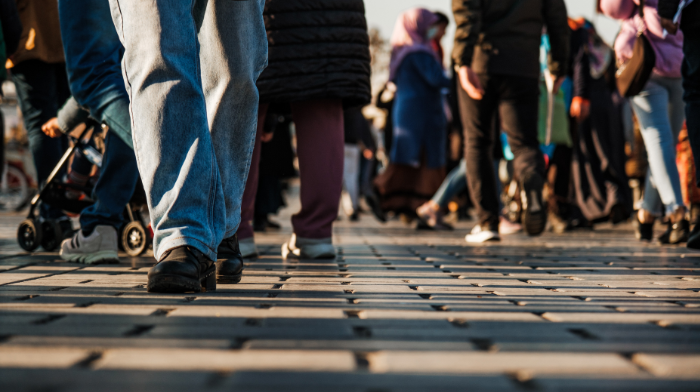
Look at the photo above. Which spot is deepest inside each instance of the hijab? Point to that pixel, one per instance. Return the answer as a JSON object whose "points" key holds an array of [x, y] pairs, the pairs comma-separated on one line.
{"points": [[410, 36]]}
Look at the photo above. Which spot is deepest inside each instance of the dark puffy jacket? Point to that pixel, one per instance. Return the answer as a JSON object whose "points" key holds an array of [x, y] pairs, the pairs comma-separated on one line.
{"points": [[317, 49], [503, 37]]}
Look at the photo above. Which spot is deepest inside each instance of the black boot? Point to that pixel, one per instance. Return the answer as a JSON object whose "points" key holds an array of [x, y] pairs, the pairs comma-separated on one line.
{"points": [[181, 270], [534, 211], [229, 262], [681, 231], [694, 237], [643, 231]]}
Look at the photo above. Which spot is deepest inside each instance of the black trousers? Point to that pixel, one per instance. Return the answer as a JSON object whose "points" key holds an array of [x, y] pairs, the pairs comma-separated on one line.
{"points": [[515, 100]]}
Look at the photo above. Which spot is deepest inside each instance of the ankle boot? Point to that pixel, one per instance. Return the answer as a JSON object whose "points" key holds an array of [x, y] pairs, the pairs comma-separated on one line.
{"points": [[643, 231], [229, 261], [181, 270]]}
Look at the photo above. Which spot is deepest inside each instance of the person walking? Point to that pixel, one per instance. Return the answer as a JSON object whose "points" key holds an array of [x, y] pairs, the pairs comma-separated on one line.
{"points": [[660, 111], [38, 71], [496, 52], [358, 138], [598, 154], [690, 25], [418, 154], [319, 63], [190, 70], [93, 61]]}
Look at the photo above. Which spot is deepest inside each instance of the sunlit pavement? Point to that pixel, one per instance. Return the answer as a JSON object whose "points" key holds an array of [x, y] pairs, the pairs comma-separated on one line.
{"points": [[399, 310]]}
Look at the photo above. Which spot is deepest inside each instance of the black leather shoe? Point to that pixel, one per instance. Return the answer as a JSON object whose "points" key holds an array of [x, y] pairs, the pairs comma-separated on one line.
{"points": [[229, 261], [181, 270], [679, 232], [643, 231], [675, 233]]}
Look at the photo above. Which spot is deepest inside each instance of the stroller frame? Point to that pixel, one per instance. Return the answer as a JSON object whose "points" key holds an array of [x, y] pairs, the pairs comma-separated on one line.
{"points": [[34, 231]]}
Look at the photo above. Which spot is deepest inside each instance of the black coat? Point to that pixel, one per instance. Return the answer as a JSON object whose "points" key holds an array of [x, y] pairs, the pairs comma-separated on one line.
{"points": [[503, 37], [317, 49]]}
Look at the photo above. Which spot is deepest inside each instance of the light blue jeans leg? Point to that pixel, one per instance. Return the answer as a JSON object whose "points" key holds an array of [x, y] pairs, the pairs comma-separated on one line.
{"points": [[454, 183], [229, 73], [173, 52], [659, 110]]}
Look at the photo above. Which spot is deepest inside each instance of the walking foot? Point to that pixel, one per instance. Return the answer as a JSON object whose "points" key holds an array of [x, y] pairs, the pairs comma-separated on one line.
{"points": [[181, 270], [308, 248], [481, 234], [248, 248], [99, 247], [534, 211], [229, 262]]}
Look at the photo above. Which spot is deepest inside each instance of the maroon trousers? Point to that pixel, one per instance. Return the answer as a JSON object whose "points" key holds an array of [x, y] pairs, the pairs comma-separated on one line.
{"points": [[320, 135]]}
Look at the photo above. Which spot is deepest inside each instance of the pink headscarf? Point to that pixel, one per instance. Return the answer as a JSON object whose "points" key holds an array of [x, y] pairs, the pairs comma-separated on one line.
{"points": [[410, 36]]}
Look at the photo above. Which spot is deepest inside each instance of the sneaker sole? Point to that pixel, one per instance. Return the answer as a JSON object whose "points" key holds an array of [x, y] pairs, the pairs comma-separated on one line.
{"points": [[102, 257], [472, 240], [290, 254]]}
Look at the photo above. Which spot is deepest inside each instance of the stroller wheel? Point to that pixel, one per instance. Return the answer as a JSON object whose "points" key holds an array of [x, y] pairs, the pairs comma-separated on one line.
{"points": [[134, 239], [29, 235], [52, 235]]}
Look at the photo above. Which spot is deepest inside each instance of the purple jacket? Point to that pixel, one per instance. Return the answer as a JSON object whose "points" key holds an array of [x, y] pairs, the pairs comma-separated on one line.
{"points": [[669, 51]]}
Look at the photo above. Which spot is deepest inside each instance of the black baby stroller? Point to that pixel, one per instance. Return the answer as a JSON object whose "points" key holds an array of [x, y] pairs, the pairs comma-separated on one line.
{"points": [[134, 237]]}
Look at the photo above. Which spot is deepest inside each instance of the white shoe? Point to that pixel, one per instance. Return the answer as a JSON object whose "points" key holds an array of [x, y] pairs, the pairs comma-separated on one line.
{"points": [[248, 248], [479, 235], [98, 247], [308, 248]]}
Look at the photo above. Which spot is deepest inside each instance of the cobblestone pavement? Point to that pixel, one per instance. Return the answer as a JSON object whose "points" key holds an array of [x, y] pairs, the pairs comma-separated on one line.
{"points": [[399, 310]]}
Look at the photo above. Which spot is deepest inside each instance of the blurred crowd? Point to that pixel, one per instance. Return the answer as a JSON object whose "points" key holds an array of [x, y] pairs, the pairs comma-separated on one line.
{"points": [[154, 132]]}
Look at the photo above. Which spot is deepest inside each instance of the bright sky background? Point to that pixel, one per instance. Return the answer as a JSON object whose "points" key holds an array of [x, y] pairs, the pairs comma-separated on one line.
{"points": [[383, 13]]}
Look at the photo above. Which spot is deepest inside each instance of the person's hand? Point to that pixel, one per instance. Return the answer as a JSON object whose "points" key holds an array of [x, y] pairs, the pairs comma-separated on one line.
{"points": [[51, 128], [668, 24], [470, 83], [580, 108], [555, 82], [368, 154], [266, 136]]}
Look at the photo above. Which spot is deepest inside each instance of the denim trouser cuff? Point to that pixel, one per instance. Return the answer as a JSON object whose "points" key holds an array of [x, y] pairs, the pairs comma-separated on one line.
{"points": [[174, 242]]}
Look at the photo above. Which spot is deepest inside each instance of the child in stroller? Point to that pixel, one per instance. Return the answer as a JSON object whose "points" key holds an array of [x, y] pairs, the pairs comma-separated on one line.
{"points": [[71, 195]]}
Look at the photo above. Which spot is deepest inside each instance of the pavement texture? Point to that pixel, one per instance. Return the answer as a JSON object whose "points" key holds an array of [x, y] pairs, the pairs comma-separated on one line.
{"points": [[398, 310]]}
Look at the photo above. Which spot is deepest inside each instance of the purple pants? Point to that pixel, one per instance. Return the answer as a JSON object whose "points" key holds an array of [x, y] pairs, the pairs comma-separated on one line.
{"points": [[320, 148]]}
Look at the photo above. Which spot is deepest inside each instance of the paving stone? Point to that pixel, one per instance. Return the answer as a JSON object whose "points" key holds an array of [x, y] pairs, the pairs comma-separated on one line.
{"points": [[397, 310], [480, 363], [686, 366], [39, 357], [220, 360]]}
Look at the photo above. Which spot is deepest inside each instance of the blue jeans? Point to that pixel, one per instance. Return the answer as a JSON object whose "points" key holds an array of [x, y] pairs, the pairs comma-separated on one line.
{"points": [[190, 68], [454, 183], [659, 109], [691, 87], [41, 89], [93, 54]]}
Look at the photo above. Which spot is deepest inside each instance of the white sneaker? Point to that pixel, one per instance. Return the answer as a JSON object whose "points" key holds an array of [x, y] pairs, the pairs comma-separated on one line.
{"points": [[98, 247], [308, 248], [248, 248], [479, 235]]}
